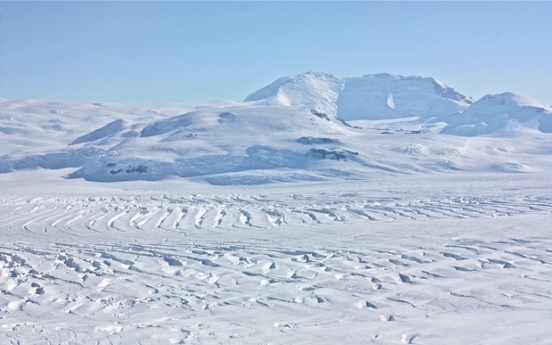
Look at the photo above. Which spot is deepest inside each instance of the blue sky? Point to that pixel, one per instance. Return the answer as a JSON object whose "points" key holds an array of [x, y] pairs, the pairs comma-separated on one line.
{"points": [[142, 52]]}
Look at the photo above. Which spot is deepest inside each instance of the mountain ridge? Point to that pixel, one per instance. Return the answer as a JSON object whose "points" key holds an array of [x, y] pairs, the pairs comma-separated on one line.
{"points": [[292, 132]]}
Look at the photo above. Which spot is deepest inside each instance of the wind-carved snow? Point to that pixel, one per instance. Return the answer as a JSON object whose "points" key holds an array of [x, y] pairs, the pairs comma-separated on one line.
{"points": [[190, 268]]}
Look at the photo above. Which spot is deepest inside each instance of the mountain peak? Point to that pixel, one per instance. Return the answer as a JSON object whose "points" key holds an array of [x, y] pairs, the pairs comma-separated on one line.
{"points": [[316, 74], [508, 99], [372, 96], [502, 114]]}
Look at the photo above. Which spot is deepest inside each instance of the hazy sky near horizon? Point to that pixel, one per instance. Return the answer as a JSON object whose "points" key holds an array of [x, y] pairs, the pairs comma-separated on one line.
{"points": [[144, 52]]}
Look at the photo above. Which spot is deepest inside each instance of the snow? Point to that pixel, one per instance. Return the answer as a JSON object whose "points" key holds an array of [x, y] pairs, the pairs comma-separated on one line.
{"points": [[430, 260], [109, 129], [370, 97], [278, 223], [502, 115], [262, 144]]}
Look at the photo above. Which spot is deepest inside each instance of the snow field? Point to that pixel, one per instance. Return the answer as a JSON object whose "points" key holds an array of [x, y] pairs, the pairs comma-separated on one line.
{"points": [[281, 267]]}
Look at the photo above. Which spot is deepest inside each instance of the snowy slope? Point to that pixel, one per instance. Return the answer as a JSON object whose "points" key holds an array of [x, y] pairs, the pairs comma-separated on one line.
{"points": [[371, 97], [248, 144], [207, 142], [502, 115]]}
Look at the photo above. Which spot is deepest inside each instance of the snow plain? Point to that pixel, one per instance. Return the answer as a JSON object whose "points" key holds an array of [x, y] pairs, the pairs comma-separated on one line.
{"points": [[380, 232]]}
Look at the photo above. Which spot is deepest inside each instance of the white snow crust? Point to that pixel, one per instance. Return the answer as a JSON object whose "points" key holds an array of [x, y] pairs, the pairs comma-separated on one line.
{"points": [[275, 222]]}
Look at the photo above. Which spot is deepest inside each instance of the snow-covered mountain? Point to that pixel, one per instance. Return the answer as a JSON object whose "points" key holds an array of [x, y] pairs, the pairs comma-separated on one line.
{"points": [[214, 142], [290, 130], [115, 142], [387, 96], [503, 114], [371, 97]]}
